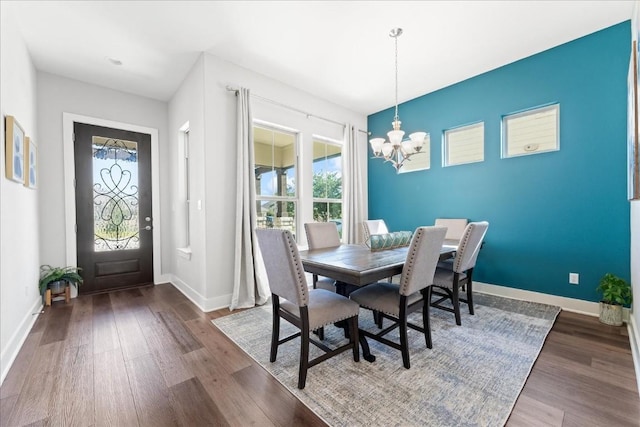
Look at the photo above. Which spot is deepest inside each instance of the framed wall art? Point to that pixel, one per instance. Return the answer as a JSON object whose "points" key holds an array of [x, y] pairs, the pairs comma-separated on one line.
{"points": [[14, 150], [31, 163]]}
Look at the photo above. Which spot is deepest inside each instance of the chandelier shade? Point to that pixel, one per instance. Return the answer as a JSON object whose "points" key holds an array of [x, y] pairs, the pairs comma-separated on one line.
{"points": [[396, 150]]}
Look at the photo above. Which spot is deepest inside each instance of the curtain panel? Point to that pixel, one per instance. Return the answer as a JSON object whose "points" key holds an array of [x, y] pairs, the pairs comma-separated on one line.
{"points": [[250, 284]]}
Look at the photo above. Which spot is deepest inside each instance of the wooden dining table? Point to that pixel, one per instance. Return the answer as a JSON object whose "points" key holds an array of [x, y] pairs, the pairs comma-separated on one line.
{"points": [[356, 265]]}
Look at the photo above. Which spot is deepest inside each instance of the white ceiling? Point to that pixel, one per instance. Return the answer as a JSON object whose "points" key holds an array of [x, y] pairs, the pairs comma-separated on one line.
{"points": [[337, 50]]}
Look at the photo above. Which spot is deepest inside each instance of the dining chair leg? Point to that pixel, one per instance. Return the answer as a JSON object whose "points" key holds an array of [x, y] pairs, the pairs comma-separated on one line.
{"points": [[320, 332], [377, 318], [455, 299], [354, 338], [304, 359], [304, 348], [469, 293], [426, 321], [275, 332], [404, 345]]}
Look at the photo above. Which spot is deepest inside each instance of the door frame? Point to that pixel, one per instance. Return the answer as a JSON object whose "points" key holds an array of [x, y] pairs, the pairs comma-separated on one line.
{"points": [[68, 119]]}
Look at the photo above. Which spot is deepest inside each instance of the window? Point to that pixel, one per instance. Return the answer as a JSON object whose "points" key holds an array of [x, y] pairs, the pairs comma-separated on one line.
{"points": [[183, 214], [187, 191], [420, 161], [531, 132], [275, 155], [327, 181], [464, 144]]}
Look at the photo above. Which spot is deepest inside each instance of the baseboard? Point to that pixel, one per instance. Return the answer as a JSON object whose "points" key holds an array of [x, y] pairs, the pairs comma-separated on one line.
{"points": [[588, 308], [570, 304], [634, 341], [163, 278], [10, 353], [204, 304]]}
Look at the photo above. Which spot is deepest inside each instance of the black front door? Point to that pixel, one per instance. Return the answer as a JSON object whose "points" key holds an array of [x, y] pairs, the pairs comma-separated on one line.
{"points": [[113, 208]]}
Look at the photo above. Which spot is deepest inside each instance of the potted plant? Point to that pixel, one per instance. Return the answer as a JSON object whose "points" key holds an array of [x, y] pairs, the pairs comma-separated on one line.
{"points": [[56, 278], [616, 292]]}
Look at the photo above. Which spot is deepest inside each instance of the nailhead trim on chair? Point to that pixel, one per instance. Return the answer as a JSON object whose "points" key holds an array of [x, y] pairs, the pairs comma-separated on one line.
{"points": [[463, 243], [302, 282], [411, 261]]}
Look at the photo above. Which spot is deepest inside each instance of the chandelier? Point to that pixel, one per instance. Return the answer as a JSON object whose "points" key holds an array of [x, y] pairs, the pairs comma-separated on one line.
{"points": [[395, 150]]}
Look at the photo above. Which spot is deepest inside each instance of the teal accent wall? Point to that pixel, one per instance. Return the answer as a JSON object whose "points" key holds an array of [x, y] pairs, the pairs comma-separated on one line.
{"points": [[551, 213]]}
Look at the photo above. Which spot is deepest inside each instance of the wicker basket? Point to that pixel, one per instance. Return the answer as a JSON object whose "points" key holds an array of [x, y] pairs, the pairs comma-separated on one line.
{"points": [[610, 314]]}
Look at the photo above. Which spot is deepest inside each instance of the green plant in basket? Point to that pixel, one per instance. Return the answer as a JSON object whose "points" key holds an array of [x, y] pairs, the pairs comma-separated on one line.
{"points": [[49, 274], [615, 290]]}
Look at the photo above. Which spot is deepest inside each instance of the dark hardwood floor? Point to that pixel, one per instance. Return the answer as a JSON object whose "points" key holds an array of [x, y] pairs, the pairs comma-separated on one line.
{"points": [[149, 357]]}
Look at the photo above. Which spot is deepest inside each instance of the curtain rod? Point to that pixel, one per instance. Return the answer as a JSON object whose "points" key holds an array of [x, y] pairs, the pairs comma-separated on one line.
{"points": [[271, 101]]}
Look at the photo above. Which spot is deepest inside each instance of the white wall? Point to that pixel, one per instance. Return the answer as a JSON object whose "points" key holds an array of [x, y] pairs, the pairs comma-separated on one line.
{"points": [[215, 171], [187, 105], [634, 318], [19, 245], [58, 95]]}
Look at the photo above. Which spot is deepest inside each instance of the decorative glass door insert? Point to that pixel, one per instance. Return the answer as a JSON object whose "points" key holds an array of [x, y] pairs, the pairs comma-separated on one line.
{"points": [[115, 194]]}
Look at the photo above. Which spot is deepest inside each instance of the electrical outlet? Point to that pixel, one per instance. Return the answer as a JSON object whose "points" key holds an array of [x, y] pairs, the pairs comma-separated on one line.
{"points": [[574, 278]]}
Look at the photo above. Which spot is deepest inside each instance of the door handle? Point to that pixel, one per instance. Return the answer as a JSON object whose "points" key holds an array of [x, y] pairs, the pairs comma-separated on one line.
{"points": [[148, 227]]}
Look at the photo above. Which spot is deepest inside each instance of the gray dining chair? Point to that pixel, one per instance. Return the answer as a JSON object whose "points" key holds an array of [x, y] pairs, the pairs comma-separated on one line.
{"points": [[455, 229], [322, 235], [396, 302], [307, 309], [374, 226], [451, 277]]}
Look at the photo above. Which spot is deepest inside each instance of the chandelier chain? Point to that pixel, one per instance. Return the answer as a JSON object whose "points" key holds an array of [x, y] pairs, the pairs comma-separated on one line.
{"points": [[396, 118]]}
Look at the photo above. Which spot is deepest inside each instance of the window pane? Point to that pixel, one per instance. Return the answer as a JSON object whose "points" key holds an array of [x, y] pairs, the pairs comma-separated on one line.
{"points": [[531, 132], [327, 170], [275, 173], [277, 214], [275, 157], [464, 145], [115, 194], [328, 211]]}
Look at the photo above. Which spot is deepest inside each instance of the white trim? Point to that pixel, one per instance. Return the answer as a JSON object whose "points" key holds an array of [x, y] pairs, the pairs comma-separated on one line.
{"points": [[570, 304], [184, 252], [18, 338], [69, 188], [203, 303], [634, 341]]}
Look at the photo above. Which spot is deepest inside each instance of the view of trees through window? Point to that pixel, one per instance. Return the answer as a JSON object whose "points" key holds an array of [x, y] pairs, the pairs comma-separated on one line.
{"points": [[327, 181]]}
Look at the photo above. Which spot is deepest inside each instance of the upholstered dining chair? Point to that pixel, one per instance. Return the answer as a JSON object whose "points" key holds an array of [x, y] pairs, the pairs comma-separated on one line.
{"points": [[322, 235], [307, 309], [374, 226], [451, 277], [455, 229], [397, 302]]}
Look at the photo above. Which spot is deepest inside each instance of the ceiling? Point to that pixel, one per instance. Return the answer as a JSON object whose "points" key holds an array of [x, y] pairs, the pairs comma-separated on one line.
{"points": [[336, 50]]}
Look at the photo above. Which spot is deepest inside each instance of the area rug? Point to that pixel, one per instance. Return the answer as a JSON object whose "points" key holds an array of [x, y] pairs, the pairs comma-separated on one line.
{"points": [[471, 377]]}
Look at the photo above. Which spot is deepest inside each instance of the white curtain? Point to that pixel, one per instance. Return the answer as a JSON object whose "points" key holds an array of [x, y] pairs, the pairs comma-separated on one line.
{"points": [[354, 186], [250, 285]]}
